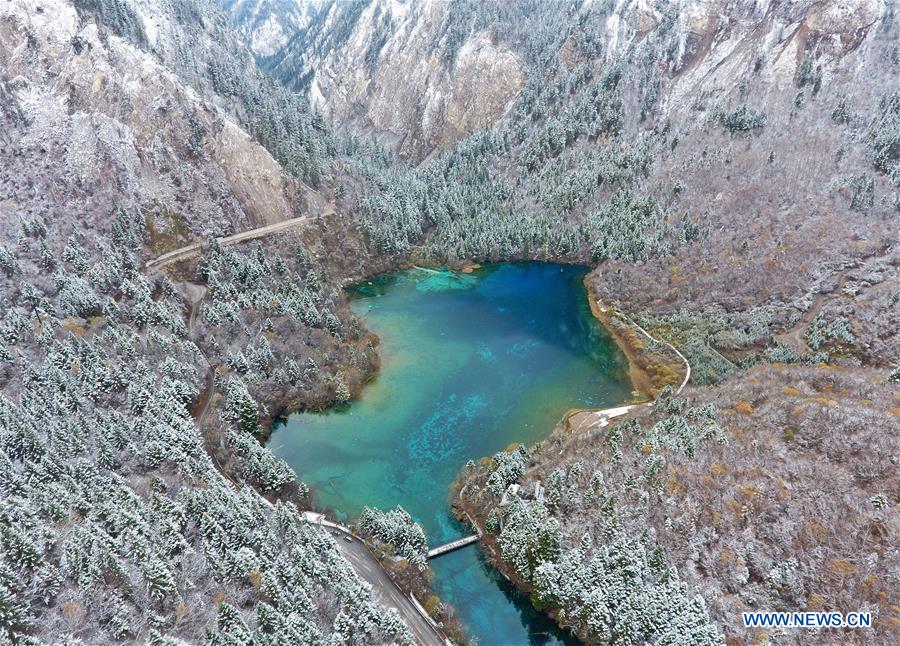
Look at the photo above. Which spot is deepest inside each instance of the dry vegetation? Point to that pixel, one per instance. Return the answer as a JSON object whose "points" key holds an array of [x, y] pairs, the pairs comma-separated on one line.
{"points": [[652, 365], [797, 510], [746, 216]]}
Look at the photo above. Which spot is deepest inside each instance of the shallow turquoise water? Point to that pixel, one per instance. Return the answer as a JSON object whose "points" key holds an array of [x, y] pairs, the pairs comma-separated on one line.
{"points": [[470, 364]]}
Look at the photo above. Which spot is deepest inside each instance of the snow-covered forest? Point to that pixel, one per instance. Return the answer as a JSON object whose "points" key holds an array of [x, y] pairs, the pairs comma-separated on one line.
{"points": [[731, 175], [117, 524], [132, 473]]}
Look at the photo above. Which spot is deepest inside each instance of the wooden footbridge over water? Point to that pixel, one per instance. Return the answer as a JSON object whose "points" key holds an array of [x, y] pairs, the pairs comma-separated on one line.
{"points": [[454, 545]]}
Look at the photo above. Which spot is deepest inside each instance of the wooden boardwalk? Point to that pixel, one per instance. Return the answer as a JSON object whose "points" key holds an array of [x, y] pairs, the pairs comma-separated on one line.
{"points": [[195, 249], [455, 545]]}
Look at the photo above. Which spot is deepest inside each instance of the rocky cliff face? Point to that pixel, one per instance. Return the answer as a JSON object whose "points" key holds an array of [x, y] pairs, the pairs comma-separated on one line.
{"points": [[267, 25], [386, 68], [422, 75], [116, 122], [404, 93]]}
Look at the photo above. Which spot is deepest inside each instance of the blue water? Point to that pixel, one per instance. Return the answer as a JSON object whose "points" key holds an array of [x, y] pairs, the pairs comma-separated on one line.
{"points": [[470, 364]]}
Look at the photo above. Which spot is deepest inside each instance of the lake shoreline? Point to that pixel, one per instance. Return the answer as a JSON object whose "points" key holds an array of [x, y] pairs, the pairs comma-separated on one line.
{"points": [[472, 516], [645, 381], [650, 368], [576, 291]]}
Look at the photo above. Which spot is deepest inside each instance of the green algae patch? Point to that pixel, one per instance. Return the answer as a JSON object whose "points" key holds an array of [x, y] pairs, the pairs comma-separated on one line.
{"points": [[435, 280]]}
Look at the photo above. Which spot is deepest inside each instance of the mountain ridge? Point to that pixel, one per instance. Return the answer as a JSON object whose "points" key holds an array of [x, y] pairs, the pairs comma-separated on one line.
{"points": [[730, 171]]}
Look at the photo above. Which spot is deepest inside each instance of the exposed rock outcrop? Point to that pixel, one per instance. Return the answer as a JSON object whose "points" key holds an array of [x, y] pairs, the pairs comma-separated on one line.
{"points": [[385, 70], [108, 111]]}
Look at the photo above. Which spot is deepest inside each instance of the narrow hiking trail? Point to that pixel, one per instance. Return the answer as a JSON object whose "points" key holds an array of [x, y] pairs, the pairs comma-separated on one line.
{"points": [[795, 337], [195, 249]]}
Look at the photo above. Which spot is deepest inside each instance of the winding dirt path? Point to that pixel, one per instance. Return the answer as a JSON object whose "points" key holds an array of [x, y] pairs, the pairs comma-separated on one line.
{"points": [[581, 421], [795, 337]]}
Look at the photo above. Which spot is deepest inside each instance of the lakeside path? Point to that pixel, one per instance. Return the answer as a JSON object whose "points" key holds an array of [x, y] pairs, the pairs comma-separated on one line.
{"points": [[363, 562], [687, 365], [584, 420], [352, 548], [384, 591]]}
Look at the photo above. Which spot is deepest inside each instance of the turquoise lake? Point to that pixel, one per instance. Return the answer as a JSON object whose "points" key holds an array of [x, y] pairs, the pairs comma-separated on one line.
{"points": [[470, 364]]}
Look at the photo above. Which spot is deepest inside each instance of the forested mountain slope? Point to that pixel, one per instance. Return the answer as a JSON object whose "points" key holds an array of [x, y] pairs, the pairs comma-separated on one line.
{"points": [[266, 25], [131, 470], [729, 157], [733, 171], [750, 130]]}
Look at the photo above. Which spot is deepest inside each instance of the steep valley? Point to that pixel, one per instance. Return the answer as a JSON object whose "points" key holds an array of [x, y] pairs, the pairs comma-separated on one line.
{"points": [[728, 171]]}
